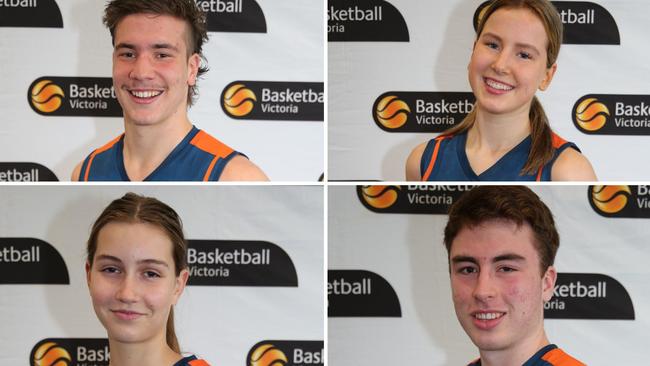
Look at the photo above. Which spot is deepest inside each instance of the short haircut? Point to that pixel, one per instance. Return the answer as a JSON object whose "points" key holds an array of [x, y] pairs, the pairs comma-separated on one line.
{"points": [[185, 10], [517, 204]]}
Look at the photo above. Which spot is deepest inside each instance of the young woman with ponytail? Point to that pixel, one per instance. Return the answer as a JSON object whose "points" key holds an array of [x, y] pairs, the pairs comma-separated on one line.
{"points": [[136, 271], [507, 136]]}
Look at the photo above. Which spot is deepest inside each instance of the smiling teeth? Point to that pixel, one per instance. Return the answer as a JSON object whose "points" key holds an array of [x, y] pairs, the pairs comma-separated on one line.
{"points": [[497, 85], [145, 94], [488, 316]]}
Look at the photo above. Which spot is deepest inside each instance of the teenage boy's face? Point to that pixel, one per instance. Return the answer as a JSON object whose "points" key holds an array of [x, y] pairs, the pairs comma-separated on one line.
{"points": [[151, 68], [497, 287]]}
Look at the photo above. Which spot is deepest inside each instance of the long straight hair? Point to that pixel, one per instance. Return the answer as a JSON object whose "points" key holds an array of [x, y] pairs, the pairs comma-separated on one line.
{"points": [[133, 208], [542, 150]]}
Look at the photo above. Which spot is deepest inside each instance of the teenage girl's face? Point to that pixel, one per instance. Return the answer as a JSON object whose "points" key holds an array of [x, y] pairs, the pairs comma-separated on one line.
{"points": [[132, 281], [508, 64]]}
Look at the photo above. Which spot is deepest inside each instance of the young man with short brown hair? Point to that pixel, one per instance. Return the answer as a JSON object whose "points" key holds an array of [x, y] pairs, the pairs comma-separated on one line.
{"points": [[501, 242], [156, 62]]}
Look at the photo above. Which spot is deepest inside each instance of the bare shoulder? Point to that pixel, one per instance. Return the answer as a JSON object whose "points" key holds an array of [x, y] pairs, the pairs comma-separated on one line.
{"points": [[413, 162], [240, 168], [76, 171], [572, 165]]}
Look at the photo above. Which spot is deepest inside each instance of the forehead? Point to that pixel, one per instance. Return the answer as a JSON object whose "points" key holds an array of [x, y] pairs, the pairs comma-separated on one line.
{"points": [[134, 241], [494, 238], [144, 29], [517, 25]]}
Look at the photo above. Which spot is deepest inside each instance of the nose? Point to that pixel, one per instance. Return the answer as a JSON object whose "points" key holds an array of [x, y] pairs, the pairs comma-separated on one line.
{"points": [[127, 291], [501, 64], [484, 291], [142, 68]]}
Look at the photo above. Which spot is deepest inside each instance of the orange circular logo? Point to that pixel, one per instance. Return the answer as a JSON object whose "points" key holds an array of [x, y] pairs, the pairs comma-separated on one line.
{"points": [[50, 354], [380, 196], [591, 114], [46, 96], [268, 355], [610, 199], [391, 112], [238, 100]]}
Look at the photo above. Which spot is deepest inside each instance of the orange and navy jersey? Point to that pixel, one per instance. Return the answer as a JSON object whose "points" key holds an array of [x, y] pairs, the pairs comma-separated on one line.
{"points": [[444, 159], [191, 361], [199, 157], [548, 356]]}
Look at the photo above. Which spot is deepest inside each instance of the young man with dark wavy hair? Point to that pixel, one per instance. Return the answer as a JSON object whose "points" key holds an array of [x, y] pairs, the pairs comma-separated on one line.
{"points": [[156, 63], [502, 242]]}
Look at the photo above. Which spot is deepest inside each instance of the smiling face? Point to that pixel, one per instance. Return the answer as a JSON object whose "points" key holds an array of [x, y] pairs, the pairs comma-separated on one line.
{"points": [[509, 62], [132, 281], [151, 68], [497, 288]]}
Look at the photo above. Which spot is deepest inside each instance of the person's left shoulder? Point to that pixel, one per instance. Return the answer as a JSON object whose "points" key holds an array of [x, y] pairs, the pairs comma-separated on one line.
{"points": [[571, 165], [557, 357], [191, 361], [239, 168]]}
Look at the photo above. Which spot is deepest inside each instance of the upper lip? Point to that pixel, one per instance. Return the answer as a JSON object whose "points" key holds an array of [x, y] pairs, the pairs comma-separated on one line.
{"points": [[498, 81]]}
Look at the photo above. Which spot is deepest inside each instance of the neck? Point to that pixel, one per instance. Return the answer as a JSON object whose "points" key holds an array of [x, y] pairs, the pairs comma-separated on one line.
{"points": [[516, 355], [146, 146], [149, 353], [498, 133]]}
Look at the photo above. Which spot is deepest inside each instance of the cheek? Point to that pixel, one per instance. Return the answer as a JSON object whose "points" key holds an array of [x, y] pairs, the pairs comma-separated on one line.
{"points": [[160, 296]]}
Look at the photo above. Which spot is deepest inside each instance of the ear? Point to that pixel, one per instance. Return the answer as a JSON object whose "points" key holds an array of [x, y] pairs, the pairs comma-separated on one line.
{"points": [[181, 281], [193, 64], [548, 283], [548, 76], [87, 273]]}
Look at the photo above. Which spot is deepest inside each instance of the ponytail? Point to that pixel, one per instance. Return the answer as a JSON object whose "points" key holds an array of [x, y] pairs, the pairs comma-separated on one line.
{"points": [[172, 341], [541, 150]]}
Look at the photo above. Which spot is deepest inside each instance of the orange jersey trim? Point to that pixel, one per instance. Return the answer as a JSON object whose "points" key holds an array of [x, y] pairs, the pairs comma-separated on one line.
{"points": [[198, 363], [100, 150], [557, 141], [209, 144], [434, 157], [560, 358]]}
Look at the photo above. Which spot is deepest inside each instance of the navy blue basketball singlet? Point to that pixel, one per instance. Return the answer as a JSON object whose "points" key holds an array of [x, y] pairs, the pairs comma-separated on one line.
{"points": [[444, 159], [198, 157], [548, 356]]}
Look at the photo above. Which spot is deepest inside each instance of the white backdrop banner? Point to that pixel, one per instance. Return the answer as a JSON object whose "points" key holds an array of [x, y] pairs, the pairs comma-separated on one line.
{"points": [[228, 311], [56, 102], [388, 282], [398, 77]]}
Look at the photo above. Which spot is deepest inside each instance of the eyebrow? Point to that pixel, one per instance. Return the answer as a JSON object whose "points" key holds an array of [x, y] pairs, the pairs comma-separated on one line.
{"points": [[499, 258], [155, 46], [521, 45], [142, 261]]}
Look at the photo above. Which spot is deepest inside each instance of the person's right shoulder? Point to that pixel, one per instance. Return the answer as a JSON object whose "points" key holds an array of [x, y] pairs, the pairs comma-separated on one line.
{"points": [[413, 162]]}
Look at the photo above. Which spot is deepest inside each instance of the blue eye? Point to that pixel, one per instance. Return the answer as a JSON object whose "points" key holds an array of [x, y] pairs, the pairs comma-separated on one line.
{"points": [[492, 45], [525, 55]]}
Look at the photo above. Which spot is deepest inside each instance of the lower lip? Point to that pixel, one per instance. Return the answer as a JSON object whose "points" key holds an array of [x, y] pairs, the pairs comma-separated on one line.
{"points": [[487, 324], [126, 316], [494, 91], [139, 100]]}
